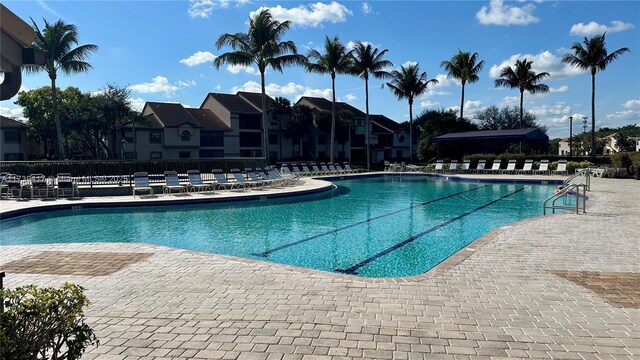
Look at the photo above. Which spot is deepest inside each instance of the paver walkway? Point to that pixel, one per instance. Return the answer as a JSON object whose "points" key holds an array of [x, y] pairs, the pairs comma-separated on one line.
{"points": [[539, 289]]}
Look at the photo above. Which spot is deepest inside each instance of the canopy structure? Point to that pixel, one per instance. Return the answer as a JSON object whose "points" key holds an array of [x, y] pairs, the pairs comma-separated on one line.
{"points": [[494, 141]]}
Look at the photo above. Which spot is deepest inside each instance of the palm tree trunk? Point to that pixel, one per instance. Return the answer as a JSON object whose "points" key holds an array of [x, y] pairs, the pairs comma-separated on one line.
{"points": [[56, 118], [593, 114], [333, 116], [411, 130], [265, 131], [366, 123], [462, 104], [521, 115]]}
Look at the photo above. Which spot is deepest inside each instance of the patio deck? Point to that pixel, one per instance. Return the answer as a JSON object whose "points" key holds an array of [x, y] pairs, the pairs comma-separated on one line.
{"points": [[562, 286]]}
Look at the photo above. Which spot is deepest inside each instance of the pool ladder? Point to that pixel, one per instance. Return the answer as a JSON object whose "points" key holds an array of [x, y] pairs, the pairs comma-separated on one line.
{"points": [[570, 189]]}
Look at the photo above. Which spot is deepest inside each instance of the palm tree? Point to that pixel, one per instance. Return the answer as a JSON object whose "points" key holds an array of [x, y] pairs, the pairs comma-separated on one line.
{"points": [[261, 45], [408, 83], [368, 61], [278, 108], [523, 78], [57, 42], [593, 56], [465, 67], [335, 60]]}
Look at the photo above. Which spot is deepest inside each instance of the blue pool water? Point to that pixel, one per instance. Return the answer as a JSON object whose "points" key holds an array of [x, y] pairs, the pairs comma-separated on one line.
{"points": [[374, 227]]}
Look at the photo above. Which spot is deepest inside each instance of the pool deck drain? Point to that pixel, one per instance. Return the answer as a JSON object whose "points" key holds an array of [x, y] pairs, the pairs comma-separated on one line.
{"points": [[517, 295]]}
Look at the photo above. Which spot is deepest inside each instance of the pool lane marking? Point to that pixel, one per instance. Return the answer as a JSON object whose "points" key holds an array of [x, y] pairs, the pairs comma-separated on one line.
{"points": [[281, 247], [353, 270]]}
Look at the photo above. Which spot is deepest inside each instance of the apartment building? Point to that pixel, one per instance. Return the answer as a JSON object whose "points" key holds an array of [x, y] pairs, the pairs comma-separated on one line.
{"points": [[14, 144]]}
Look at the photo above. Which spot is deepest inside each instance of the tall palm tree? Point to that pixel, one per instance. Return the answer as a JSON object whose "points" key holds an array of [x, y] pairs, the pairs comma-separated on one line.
{"points": [[593, 56], [521, 77], [57, 42], [465, 67], [261, 45], [334, 60], [408, 83], [368, 61]]}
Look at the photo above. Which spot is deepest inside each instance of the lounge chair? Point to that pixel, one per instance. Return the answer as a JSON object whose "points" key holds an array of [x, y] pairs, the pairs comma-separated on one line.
{"points": [[38, 185], [481, 166], [14, 185], [466, 164], [172, 182], [511, 167], [334, 169], [543, 168], [348, 168], [561, 169], [264, 174], [239, 178], [439, 166], [305, 170], [340, 169], [284, 169], [65, 186], [196, 184], [289, 179], [254, 179], [325, 169], [316, 169], [453, 166], [495, 167], [527, 168], [221, 180], [141, 183], [296, 170]]}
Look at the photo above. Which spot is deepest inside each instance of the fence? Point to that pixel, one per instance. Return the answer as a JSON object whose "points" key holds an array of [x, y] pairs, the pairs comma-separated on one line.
{"points": [[118, 172]]}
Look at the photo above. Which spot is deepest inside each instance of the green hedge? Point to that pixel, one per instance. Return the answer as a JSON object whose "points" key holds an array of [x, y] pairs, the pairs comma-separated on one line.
{"points": [[628, 160]]}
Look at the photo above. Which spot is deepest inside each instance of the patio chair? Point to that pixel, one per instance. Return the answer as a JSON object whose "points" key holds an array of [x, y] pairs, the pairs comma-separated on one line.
{"points": [[387, 165], [561, 169], [284, 169], [325, 169], [255, 179], [221, 180], [340, 169], [453, 166], [305, 170], [38, 185], [511, 167], [527, 168], [141, 183], [439, 166], [543, 168], [196, 184], [270, 179], [289, 179], [65, 186], [316, 169], [480, 167], [333, 169], [239, 178], [14, 185], [495, 167], [466, 164], [172, 182], [296, 170], [348, 168]]}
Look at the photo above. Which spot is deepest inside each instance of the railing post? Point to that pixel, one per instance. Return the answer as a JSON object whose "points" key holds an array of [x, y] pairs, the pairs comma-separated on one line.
{"points": [[91, 175]]}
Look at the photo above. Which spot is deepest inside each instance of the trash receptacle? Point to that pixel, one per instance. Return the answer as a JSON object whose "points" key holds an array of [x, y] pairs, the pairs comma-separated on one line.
{"points": [[636, 174]]}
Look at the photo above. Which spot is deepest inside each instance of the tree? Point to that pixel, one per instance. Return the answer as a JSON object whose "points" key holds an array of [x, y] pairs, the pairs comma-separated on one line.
{"points": [[506, 118], [594, 57], [408, 83], [465, 67], [334, 60], [113, 105], [298, 125], [521, 77], [279, 107], [57, 41], [368, 61], [37, 106], [434, 123], [260, 45]]}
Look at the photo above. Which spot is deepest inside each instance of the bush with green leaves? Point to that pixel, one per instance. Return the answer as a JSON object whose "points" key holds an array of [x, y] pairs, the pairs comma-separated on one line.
{"points": [[627, 160], [44, 323]]}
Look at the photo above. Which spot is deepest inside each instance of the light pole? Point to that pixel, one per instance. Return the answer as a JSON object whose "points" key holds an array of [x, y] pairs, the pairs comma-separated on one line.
{"points": [[570, 136]]}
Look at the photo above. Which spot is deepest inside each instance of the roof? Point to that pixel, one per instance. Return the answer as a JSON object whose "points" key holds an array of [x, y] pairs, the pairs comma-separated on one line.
{"points": [[385, 123], [6, 122], [493, 135], [235, 103], [324, 104], [172, 114], [254, 99], [208, 119]]}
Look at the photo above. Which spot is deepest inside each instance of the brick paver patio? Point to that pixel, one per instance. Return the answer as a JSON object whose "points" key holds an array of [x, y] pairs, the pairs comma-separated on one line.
{"points": [[542, 288]]}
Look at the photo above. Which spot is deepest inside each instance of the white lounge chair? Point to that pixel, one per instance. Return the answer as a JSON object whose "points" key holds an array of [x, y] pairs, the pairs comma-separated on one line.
{"points": [[316, 169], [543, 168], [561, 169], [439, 166], [305, 170], [325, 169], [38, 185], [453, 166], [348, 168], [511, 167], [495, 167], [196, 184], [237, 175], [481, 166], [274, 181], [172, 183], [466, 164], [221, 180], [527, 168], [141, 183], [255, 179], [65, 186], [14, 185]]}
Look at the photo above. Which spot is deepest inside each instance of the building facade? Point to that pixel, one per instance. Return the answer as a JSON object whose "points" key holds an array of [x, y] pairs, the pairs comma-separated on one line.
{"points": [[14, 143]]}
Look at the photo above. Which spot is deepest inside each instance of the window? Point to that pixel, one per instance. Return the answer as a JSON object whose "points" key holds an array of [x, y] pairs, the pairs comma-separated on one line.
{"points": [[13, 157], [207, 153], [250, 153], [322, 139], [273, 139], [250, 139], [185, 135], [128, 135], [155, 137], [154, 155], [401, 139], [12, 136], [211, 138], [249, 121], [184, 154]]}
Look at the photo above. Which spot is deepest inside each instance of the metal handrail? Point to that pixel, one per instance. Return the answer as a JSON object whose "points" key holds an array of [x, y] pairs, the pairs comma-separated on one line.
{"points": [[583, 172], [562, 194]]}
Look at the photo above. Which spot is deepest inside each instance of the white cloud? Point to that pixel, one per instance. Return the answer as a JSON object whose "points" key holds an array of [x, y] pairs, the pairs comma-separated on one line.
{"points": [[431, 92], [311, 15], [366, 8], [444, 81], [186, 83], [14, 113], [471, 108], [137, 103], [429, 104], [561, 89], [410, 62], [542, 62], [351, 44], [199, 57], [204, 8], [511, 101], [559, 108], [632, 104], [160, 84], [290, 90], [236, 69], [497, 13], [350, 98], [624, 115], [593, 28]]}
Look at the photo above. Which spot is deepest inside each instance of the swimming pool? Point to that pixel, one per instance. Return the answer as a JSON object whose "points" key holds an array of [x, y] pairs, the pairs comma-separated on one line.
{"points": [[374, 227]]}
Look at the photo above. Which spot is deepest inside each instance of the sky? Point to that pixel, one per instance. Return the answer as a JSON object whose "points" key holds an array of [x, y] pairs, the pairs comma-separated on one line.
{"points": [[164, 50]]}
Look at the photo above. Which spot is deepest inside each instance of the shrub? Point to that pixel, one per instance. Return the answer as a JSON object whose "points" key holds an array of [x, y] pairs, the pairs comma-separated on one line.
{"points": [[627, 160], [44, 323]]}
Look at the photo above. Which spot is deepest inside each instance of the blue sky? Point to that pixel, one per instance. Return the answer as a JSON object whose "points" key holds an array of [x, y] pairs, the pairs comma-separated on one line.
{"points": [[163, 51]]}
